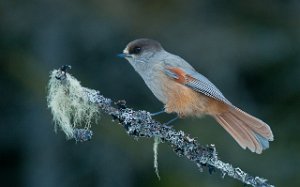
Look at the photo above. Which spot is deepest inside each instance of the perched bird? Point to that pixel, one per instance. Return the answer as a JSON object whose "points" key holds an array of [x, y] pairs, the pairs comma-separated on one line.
{"points": [[188, 93]]}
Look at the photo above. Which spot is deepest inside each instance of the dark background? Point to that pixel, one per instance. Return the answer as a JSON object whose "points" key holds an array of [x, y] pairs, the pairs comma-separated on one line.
{"points": [[249, 49]]}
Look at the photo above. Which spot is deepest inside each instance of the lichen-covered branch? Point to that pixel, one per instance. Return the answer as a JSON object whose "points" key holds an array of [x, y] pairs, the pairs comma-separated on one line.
{"points": [[77, 104]]}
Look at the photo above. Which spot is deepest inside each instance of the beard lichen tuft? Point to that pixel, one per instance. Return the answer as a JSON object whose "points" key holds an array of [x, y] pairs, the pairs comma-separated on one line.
{"points": [[70, 105], [157, 140]]}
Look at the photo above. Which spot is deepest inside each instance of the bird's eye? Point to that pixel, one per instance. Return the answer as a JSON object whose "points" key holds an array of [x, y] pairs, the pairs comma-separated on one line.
{"points": [[136, 50]]}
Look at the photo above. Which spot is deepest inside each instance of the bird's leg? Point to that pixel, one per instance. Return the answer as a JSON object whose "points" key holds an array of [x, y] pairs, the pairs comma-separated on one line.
{"points": [[163, 111], [157, 113], [172, 120]]}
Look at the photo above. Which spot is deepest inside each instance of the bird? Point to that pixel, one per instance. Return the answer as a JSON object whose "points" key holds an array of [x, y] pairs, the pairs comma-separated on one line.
{"points": [[187, 93]]}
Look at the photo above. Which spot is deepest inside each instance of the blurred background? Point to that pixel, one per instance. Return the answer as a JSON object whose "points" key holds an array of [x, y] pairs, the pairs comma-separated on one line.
{"points": [[249, 49]]}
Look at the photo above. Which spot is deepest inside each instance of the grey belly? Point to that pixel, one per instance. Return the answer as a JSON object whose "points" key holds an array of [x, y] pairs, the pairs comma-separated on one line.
{"points": [[155, 84]]}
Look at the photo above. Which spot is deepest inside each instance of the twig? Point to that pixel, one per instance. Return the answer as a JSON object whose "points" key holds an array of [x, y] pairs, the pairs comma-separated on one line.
{"points": [[140, 124]]}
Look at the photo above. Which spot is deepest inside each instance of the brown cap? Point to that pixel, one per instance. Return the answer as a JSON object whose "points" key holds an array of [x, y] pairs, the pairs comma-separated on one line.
{"points": [[144, 44]]}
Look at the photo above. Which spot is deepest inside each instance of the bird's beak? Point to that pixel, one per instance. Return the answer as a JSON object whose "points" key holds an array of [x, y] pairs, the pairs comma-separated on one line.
{"points": [[124, 55]]}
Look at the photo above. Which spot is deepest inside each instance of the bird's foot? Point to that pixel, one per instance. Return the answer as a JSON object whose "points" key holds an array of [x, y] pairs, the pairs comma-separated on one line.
{"points": [[171, 121]]}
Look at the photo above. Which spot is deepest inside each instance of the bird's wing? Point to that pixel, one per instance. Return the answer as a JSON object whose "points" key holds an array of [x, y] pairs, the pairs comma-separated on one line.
{"points": [[195, 81]]}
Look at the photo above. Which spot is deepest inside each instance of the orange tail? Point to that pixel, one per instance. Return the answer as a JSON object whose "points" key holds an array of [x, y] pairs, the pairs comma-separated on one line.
{"points": [[248, 131]]}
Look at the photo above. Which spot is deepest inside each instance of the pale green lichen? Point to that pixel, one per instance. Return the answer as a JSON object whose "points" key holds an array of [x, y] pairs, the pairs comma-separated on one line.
{"points": [[69, 104], [155, 151]]}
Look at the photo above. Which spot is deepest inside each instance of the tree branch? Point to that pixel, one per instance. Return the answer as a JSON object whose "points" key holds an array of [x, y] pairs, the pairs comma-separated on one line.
{"points": [[136, 124]]}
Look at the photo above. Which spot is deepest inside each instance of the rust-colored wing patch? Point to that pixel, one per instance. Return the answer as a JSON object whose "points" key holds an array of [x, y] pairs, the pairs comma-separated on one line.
{"points": [[178, 74]]}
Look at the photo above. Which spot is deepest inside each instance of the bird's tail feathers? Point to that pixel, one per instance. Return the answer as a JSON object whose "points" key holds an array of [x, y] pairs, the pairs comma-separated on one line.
{"points": [[248, 131]]}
